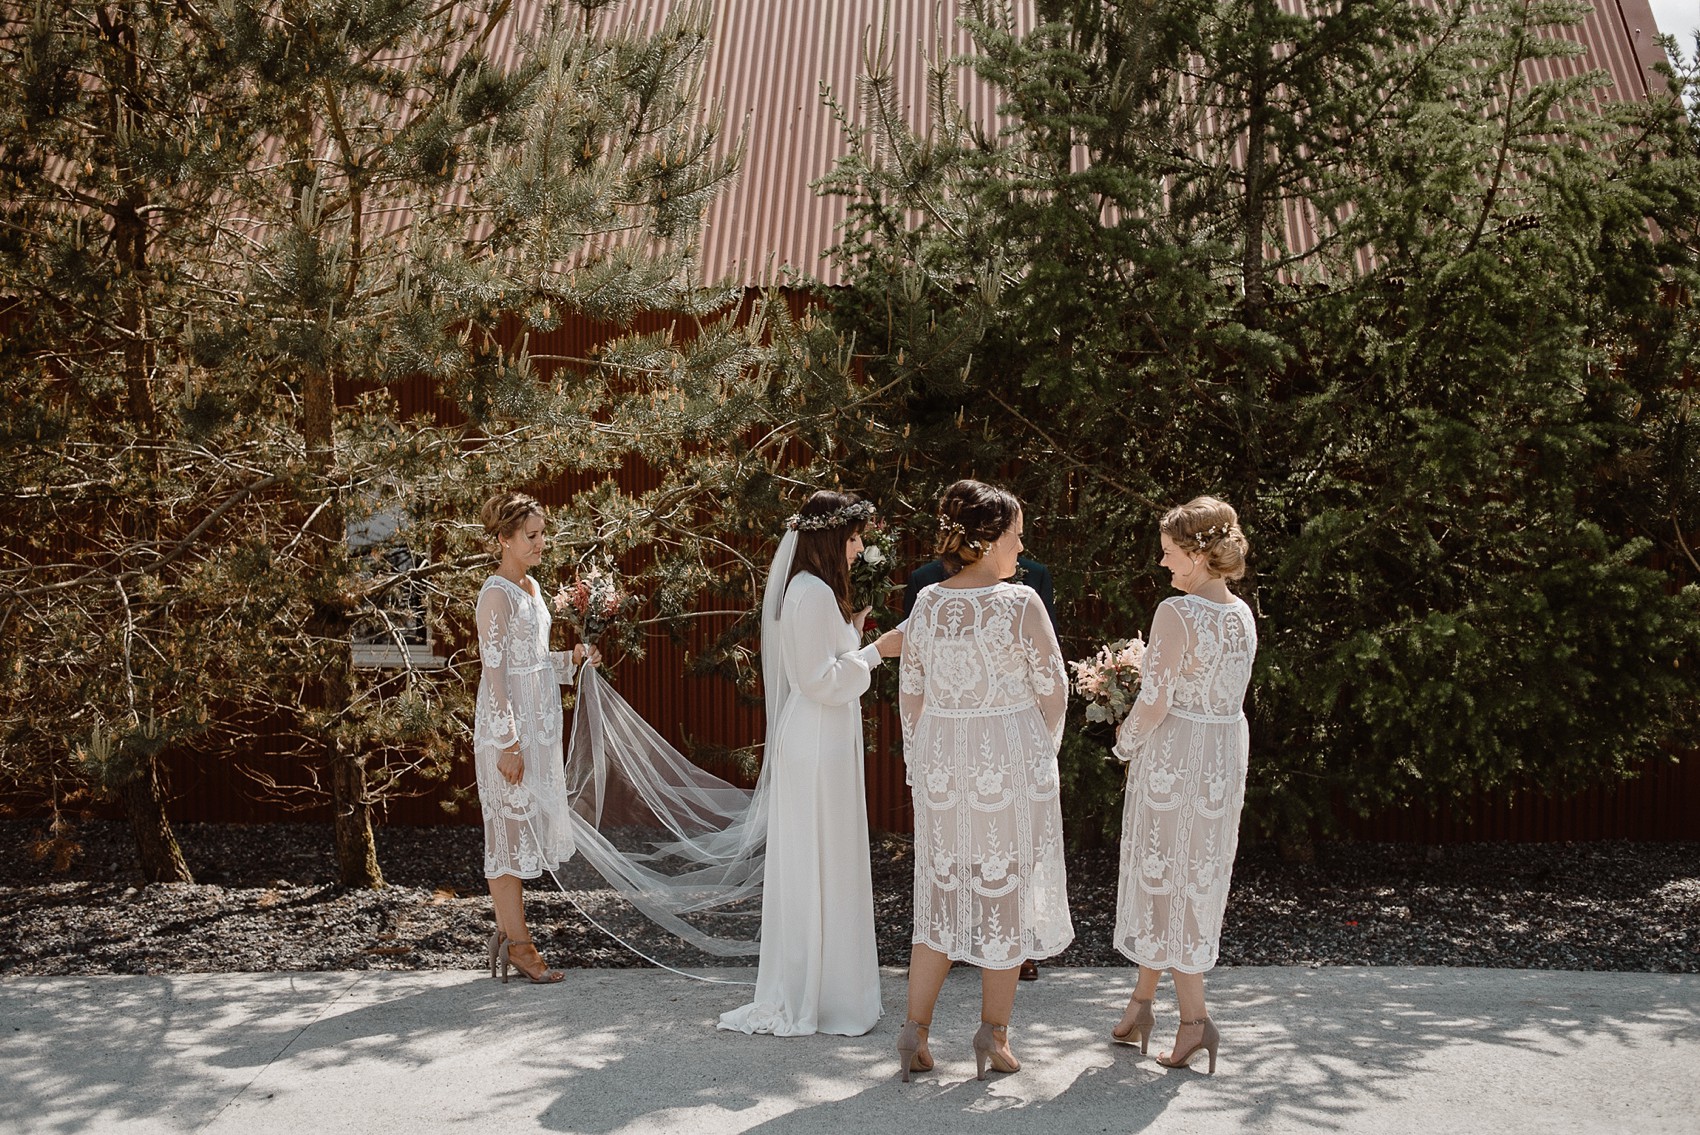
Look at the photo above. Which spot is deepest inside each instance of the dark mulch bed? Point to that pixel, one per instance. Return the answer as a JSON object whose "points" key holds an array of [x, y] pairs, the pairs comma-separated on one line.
{"points": [[262, 902]]}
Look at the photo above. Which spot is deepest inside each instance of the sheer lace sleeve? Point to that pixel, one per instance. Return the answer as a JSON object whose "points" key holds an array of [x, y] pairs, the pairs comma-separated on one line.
{"points": [[1164, 653], [811, 621], [1045, 665], [495, 629], [912, 674], [562, 660]]}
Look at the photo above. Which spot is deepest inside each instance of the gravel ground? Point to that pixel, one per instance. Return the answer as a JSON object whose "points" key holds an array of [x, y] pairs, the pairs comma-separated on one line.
{"points": [[261, 902]]}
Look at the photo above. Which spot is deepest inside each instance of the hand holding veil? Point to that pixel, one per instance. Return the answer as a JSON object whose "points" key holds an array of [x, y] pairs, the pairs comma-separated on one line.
{"points": [[681, 846]]}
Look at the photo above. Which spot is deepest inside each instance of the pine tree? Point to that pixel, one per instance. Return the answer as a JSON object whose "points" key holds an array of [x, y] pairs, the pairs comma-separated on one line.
{"points": [[394, 202], [120, 126], [1434, 412]]}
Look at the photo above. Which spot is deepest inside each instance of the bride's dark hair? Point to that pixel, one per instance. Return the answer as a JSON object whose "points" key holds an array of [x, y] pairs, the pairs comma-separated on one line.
{"points": [[820, 551]]}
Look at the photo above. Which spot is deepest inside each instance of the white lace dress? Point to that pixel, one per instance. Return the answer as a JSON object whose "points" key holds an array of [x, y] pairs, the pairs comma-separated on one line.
{"points": [[982, 695], [1186, 743], [819, 969], [526, 830]]}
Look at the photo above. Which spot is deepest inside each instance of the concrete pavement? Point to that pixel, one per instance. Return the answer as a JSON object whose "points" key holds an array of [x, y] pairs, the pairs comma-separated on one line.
{"points": [[629, 1051]]}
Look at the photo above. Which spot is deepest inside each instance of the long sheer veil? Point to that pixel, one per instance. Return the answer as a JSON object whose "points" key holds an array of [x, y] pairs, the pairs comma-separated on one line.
{"points": [[680, 847]]}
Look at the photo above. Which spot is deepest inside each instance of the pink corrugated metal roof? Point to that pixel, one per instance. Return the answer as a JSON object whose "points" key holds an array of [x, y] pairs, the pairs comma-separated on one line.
{"points": [[769, 60], [768, 64]]}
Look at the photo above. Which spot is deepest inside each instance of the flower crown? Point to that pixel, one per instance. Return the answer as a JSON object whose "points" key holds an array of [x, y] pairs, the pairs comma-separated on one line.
{"points": [[861, 511]]}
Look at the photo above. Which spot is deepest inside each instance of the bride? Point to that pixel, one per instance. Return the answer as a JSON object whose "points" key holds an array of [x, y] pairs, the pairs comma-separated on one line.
{"points": [[819, 968]]}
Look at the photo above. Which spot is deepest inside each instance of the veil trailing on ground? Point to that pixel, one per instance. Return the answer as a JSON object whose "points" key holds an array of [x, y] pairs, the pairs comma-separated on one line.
{"points": [[680, 846]]}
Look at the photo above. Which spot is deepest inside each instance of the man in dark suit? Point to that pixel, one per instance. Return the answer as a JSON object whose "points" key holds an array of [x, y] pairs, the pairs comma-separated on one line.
{"points": [[1031, 572]]}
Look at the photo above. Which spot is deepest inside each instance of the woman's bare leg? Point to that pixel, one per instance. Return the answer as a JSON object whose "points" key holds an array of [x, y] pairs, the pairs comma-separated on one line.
{"points": [[1144, 989], [508, 897], [1189, 990], [997, 1005], [927, 971]]}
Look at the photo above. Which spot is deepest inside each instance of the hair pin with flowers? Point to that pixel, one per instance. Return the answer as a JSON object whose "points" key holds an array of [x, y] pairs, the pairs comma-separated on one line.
{"points": [[861, 511], [1202, 540], [949, 528]]}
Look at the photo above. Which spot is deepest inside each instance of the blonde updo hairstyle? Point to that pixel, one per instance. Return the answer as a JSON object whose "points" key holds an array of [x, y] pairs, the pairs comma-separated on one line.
{"points": [[504, 513], [972, 515], [1211, 527]]}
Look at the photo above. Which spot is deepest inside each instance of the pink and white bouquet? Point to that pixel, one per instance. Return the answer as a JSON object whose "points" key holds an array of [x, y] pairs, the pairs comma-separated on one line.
{"points": [[1109, 680], [591, 603]]}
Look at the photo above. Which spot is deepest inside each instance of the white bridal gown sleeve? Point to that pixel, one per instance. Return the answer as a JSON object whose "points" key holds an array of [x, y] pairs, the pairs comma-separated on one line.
{"points": [[819, 969]]}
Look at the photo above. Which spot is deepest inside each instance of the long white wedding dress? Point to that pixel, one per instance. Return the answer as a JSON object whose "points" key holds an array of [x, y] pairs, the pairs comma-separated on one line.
{"points": [[1186, 741], [819, 969]]}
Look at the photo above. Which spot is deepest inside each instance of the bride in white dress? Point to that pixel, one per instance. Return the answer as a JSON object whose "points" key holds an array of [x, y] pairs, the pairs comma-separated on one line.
{"points": [[819, 968], [982, 694], [1185, 741]]}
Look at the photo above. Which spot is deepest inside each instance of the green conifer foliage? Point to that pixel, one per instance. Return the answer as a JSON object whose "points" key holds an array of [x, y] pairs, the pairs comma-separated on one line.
{"points": [[335, 197], [1356, 272]]}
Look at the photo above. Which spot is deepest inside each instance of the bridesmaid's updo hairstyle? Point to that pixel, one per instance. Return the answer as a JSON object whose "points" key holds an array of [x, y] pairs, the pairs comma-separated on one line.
{"points": [[503, 513], [1207, 526], [820, 543], [972, 515]]}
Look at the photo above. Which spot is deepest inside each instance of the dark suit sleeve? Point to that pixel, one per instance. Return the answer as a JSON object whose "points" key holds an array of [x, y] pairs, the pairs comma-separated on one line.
{"points": [[1039, 579], [924, 576], [911, 590]]}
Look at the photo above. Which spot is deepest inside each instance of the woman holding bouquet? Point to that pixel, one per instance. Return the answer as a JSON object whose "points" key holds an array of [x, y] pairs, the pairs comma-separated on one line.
{"points": [[982, 694], [516, 741], [1186, 740], [819, 967]]}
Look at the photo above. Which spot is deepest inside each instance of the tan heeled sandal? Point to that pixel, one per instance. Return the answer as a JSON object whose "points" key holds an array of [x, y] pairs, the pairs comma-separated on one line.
{"points": [[543, 975], [496, 940], [986, 1051], [1139, 1029], [1208, 1042], [909, 1054]]}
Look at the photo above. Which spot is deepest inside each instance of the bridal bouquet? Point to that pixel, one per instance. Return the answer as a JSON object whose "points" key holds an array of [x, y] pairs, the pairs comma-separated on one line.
{"points": [[1109, 680], [592, 602], [870, 571]]}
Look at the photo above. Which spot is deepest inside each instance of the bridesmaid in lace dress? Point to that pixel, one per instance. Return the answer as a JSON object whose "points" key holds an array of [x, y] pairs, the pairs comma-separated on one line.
{"points": [[982, 693], [1186, 742], [516, 737]]}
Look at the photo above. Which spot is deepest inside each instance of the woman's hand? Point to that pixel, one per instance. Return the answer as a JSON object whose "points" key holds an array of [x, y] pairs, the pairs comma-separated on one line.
{"points": [[890, 643], [860, 619], [588, 654], [511, 765]]}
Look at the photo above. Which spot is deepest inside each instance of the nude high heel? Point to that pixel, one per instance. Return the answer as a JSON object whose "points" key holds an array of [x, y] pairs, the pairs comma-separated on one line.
{"points": [[543, 975], [496, 940], [1209, 1042], [986, 1052], [909, 1043], [1139, 1030]]}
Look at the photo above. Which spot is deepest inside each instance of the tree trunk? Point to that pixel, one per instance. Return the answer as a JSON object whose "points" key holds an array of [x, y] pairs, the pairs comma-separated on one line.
{"points": [[143, 794], [1254, 267], [356, 849], [157, 851]]}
